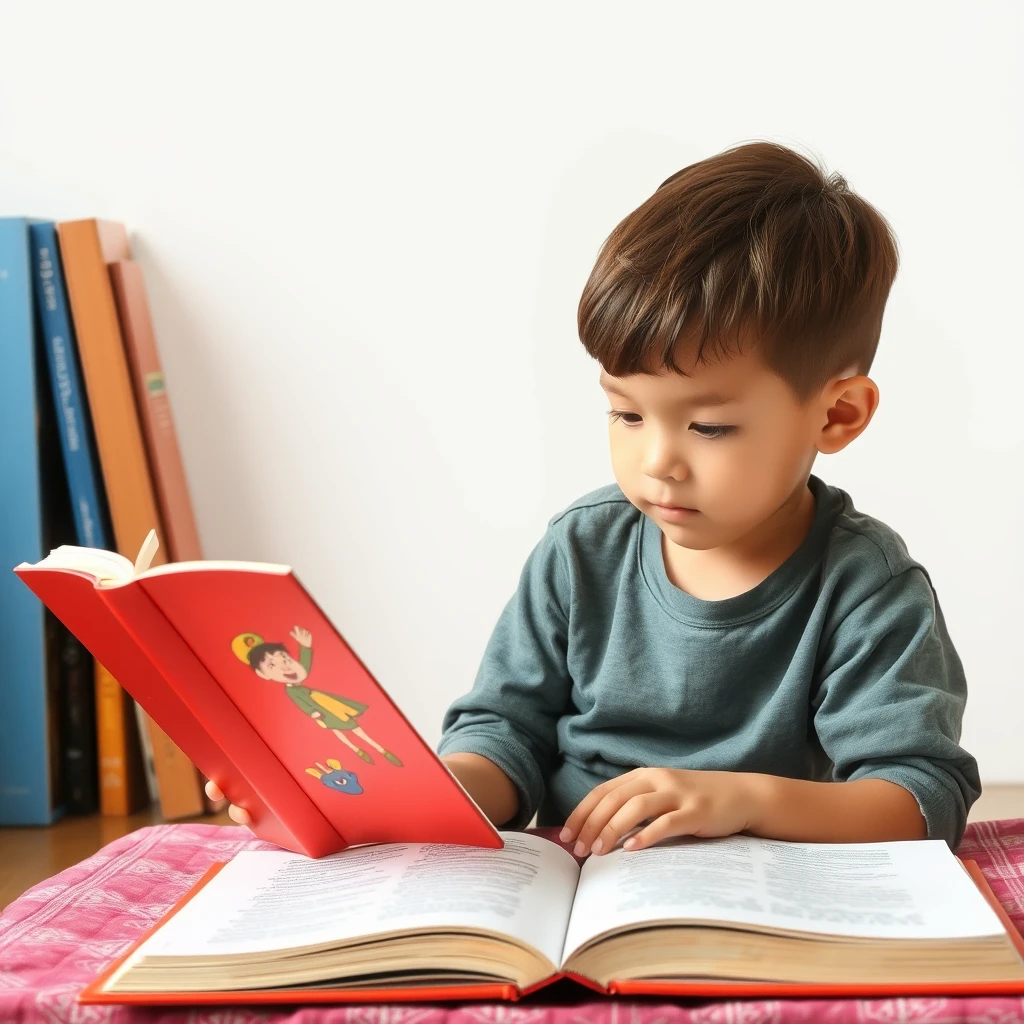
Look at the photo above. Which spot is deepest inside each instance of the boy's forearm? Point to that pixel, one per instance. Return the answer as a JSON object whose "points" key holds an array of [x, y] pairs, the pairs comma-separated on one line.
{"points": [[493, 791], [864, 811]]}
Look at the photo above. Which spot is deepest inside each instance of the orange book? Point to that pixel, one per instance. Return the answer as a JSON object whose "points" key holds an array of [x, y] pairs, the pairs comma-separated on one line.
{"points": [[737, 917], [240, 667], [117, 748], [88, 247], [179, 784]]}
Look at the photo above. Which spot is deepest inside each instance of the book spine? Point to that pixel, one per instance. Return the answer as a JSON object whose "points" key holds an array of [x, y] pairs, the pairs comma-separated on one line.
{"points": [[121, 772], [108, 384], [78, 725], [25, 777], [74, 422], [180, 786], [181, 794], [166, 464], [148, 761], [85, 248], [112, 744]]}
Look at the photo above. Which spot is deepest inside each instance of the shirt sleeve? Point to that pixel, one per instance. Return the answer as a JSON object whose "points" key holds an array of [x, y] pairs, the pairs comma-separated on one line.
{"points": [[891, 699], [522, 687]]}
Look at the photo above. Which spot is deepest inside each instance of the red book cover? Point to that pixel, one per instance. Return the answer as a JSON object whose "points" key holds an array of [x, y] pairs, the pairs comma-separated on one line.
{"points": [[240, 667]]}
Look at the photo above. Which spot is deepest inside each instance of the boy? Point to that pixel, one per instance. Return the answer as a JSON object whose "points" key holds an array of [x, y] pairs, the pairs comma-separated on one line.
{"points": [[697, 648]]}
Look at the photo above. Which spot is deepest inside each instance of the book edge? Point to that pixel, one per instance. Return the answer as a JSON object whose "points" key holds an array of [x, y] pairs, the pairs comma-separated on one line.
{"points": [[94, 992]]}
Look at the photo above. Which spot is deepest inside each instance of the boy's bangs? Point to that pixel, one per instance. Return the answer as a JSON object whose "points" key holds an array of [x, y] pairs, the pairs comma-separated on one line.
{"points": [[632, 330]]}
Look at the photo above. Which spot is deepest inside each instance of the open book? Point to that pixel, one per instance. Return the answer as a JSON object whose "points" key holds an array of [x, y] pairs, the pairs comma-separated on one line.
{"points": [[418, 922], [244, 672]]}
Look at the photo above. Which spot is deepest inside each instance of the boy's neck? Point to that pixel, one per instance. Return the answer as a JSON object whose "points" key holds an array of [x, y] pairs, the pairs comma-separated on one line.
{"points": [[719, 573]]}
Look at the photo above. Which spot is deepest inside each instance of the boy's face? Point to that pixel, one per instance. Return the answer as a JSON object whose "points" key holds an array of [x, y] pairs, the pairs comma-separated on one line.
{"points": [[713, 455], [281, 667]]}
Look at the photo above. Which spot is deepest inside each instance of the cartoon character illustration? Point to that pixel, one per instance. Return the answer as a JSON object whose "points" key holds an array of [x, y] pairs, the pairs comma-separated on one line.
{"points": [[271, 661], [335, 777]]}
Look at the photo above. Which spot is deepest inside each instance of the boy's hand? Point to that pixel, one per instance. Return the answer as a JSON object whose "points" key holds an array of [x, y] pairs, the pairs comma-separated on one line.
{"points": [[677, 802], [239, 815]]}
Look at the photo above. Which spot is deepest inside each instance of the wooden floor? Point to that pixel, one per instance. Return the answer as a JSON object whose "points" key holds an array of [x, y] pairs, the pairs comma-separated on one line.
{"points": [[30, 855]]}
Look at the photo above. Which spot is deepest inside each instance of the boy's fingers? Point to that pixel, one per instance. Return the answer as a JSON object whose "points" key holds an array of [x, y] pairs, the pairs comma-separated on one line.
{"points": [[213, 791], [239, 815], [574, 823], [678, 823], [608, 806], [635, 810]]}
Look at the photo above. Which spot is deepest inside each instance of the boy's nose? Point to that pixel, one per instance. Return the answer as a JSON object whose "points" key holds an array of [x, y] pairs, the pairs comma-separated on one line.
{"points": [[661, 461]]}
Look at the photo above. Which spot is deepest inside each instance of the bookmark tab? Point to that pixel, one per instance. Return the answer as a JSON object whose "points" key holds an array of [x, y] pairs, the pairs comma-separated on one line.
{"points": [[147, 552]]}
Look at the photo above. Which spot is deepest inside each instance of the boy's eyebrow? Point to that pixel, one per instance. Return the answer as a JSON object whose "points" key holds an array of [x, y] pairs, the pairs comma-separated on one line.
{"points": [[705, 399]]}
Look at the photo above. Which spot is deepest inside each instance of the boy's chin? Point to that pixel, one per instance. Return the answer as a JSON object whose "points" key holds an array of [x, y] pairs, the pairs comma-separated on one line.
{"points": [[693, 535]]}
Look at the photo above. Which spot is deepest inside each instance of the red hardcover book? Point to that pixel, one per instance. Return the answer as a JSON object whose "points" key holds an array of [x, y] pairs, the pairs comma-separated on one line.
{"points": [[240, 667], [730, 918]]}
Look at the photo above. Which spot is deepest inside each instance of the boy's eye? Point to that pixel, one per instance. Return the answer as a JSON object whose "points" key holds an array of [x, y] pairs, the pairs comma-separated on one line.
{"points": [[631, 419], [711, 430]]}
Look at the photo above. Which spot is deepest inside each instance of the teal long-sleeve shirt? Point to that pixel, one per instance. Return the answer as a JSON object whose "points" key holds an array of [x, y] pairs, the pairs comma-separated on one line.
{"points": [[837, 666]]}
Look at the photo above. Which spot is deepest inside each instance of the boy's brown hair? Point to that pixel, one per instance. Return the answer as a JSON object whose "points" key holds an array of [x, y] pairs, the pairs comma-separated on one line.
{"points": [[755, 242]]}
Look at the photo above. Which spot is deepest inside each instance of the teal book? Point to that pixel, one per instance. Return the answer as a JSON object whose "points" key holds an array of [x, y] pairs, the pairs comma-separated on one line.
{"points": [[32, 472], [78, 442]]}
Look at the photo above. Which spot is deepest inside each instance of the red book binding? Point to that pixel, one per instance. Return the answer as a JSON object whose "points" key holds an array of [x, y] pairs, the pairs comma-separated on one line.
{"points": [[242, 669]]}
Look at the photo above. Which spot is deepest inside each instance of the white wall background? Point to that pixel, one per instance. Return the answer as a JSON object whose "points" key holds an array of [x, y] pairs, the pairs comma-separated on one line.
{"points": [[365, 228]]}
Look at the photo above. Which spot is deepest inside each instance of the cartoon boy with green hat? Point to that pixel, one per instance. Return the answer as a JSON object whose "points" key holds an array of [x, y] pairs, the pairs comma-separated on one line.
{"points": [[271, 661]]}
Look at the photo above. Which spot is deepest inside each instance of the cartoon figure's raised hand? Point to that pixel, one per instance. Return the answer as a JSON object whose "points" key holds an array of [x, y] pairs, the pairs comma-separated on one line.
{"points": [[302, 637], [335, 777]]}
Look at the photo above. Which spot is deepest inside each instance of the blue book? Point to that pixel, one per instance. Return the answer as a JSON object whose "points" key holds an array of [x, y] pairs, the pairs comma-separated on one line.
{"points": [[76, 435], [27, 750]]}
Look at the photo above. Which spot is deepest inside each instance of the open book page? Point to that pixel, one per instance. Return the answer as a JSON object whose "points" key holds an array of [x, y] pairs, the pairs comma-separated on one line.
{"points": [[112, 569], [104, 565], [271, 901], [911, 890]]}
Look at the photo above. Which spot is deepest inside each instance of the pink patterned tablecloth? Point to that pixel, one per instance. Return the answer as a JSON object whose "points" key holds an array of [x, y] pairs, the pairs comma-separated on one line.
{"points": [[62, 932]]}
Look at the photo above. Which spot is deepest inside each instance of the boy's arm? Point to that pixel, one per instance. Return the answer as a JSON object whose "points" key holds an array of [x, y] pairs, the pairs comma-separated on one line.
{"points": [[707, 803], [492, 790], [864, 811], [509, 720], [891, 700]]}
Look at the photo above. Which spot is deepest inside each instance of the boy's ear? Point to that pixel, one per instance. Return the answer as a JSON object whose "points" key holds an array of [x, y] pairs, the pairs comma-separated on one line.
{"points": [[260, 673], [847, 406]]}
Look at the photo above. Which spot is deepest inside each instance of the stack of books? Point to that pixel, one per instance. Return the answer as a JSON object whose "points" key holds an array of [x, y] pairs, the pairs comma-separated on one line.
{"points": [[89, 455]]}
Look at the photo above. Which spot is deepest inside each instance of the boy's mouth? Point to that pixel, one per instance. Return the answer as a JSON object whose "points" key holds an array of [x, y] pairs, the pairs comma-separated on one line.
{"points": [[291, 675], [676, 513]]}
